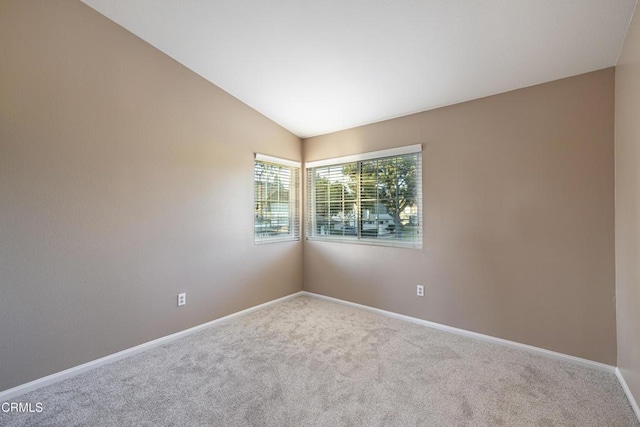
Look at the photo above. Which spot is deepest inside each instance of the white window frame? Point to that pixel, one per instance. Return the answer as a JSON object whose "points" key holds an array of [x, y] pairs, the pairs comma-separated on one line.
{"points": [[310, 213], [295, 193]]}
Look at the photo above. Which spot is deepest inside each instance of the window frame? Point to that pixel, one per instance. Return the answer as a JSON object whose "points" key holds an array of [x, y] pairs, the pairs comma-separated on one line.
{"points": [[311, 232], [295, 193]]}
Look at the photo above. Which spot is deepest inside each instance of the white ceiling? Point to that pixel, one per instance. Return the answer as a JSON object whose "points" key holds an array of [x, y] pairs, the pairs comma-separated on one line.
{"points": [[319, 66]]}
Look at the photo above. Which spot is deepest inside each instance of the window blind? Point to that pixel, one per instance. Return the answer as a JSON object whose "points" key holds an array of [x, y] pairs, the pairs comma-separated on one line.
{"points": [[376, 200], [277, 199]]}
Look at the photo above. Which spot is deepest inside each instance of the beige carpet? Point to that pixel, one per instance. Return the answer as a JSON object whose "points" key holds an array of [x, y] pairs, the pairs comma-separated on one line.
{"points": [[308, 362]]}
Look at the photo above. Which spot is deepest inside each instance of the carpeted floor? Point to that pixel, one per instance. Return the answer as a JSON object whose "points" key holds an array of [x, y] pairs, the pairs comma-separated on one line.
{"points": [[308, 362]]}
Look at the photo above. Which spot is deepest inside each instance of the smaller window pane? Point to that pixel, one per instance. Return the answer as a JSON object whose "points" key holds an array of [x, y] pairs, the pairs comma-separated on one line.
{"points": [[276, 211]]}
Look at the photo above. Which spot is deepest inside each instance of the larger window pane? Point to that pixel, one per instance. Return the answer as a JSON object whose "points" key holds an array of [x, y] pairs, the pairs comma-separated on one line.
{"points": [[376, 201]]}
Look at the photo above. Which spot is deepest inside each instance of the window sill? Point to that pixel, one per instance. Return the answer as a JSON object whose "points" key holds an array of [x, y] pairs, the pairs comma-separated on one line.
{"points": [[276, 240], [369, 242]]}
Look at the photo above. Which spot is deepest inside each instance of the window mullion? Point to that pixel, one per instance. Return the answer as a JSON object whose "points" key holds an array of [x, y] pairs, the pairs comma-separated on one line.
{"points": [[396, 202], [359, 199]]}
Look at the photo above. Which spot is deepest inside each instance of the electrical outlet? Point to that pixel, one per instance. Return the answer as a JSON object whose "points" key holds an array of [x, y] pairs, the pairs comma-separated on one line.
{"points": [[420, 291], [182, 299]]}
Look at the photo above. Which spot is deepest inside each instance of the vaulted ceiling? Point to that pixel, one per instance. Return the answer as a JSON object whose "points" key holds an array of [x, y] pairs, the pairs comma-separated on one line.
{"points": [[319, 66]]}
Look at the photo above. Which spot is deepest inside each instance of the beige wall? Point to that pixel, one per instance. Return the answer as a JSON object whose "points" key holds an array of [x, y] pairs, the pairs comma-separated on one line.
{"points": [[125, 178], [628, 208], [518, 194]]}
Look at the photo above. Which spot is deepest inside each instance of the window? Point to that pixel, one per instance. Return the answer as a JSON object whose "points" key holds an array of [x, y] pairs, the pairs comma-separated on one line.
{"points": [[369, 198], [277, 199]]}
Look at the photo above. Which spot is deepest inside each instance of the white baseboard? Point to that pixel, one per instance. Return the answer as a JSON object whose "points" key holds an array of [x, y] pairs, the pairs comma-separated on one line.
{"points": [[627, 392], [532, 349], [76, 370]]}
